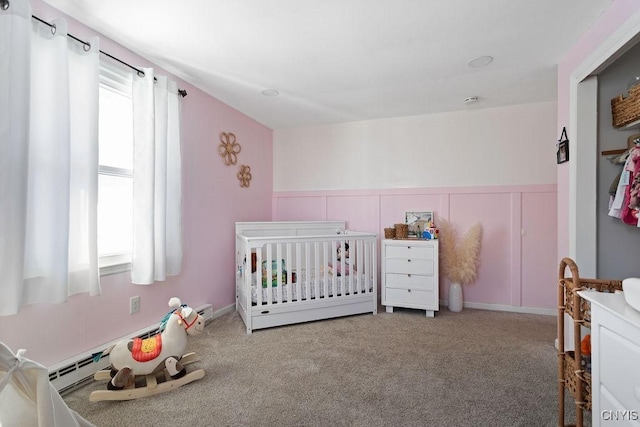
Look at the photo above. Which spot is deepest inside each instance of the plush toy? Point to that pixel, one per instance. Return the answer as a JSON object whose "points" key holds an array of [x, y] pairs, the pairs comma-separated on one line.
{"points": [[161, 351], [585, 345], [340, 254], [585, 348]]}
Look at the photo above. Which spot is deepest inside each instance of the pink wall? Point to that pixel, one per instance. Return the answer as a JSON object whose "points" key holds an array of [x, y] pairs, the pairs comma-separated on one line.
{"points": [[518, 257], [212, 202], [610, 21]]}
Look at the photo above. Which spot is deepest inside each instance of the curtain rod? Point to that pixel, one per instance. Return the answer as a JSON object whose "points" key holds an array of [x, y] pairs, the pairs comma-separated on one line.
{"points": [[87, 46]]}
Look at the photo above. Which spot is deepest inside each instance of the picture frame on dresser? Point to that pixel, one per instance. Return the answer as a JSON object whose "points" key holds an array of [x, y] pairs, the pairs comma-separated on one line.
{"points": [[418, 221]]}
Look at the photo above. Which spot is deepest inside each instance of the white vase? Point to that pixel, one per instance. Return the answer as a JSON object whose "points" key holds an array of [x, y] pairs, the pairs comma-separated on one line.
{"points": [[455, 297]]}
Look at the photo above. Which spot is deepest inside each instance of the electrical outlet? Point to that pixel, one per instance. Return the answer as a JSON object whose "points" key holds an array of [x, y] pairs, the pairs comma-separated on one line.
{"points": [[134, 304]]}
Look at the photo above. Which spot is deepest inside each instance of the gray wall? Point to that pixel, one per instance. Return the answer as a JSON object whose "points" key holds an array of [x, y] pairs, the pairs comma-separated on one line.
{"points": [[618, 243]]}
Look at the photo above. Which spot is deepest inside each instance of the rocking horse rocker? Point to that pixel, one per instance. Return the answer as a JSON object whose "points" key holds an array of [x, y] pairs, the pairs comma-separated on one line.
{"points": [[144, 367]]}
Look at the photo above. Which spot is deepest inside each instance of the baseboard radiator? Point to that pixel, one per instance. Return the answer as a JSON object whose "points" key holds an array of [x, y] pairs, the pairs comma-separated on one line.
{"points": [[73, 373]]}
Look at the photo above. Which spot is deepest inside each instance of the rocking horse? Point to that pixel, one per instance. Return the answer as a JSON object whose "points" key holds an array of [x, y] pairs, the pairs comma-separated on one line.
{"points": [[144, 367]]}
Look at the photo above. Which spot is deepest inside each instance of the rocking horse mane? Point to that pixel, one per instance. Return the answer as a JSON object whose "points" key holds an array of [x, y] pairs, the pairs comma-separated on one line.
{"points": [[165, 319]]}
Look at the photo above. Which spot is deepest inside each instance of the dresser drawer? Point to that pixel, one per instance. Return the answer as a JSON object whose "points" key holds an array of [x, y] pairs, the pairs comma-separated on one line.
{"points": [[409, 266], [412, 298], [620, 370], [409, 281], [409, 251]]}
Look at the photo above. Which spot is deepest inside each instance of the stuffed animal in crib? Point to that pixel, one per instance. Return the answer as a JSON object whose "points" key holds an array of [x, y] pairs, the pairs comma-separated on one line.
{"points": [[342, 253], [164, 350]]}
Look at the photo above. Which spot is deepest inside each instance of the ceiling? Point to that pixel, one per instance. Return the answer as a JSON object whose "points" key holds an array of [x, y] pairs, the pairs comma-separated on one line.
{"points": [[349, 60]]}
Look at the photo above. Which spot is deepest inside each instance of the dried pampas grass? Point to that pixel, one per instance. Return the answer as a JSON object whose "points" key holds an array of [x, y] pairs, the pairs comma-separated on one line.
{"points": [[460, 259]]}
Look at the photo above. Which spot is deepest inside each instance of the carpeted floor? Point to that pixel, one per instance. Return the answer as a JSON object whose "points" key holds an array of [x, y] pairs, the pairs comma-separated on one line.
{"points": [[473, 368]]}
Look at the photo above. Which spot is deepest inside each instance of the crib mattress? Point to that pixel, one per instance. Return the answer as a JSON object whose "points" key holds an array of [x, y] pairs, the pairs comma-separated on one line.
{"points": [[342, 286]]}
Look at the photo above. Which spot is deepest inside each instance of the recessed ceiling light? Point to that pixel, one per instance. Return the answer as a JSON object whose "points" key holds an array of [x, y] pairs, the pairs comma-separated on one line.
{"points": [[270, 92], [480, 61]]}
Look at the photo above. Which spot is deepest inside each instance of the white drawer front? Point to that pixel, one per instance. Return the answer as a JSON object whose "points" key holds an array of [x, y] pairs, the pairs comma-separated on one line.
{"points": [[408, 251], [409, 281], [620, 374], [411, 298], [409, 266]]}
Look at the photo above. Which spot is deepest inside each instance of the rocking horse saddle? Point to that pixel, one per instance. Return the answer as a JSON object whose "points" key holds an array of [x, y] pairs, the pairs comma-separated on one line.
{"points": [[143, 350]]}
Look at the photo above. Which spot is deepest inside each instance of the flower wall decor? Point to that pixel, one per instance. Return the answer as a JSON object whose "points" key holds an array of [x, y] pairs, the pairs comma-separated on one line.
{"points": [[244, 176], [229, 148]]}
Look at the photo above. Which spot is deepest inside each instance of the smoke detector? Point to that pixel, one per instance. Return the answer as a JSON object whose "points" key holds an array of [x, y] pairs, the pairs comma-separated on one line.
{"points": [[470, 100]]}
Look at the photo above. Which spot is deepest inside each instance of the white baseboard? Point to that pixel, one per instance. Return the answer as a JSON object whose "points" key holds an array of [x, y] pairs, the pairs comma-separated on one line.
{"points": [[510, 308], [224, 310]]}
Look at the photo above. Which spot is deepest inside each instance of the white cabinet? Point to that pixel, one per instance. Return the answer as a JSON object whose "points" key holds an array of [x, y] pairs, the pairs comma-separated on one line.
{"points": [[615, 356], [410, 275]]}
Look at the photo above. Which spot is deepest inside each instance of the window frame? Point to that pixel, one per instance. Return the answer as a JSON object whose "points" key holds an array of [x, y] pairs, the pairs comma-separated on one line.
{"points": [[114, 78]]}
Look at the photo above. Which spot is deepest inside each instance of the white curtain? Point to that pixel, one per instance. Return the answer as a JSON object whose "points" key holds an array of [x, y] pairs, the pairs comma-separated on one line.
{"points": [[157, 186], [49, 158]]}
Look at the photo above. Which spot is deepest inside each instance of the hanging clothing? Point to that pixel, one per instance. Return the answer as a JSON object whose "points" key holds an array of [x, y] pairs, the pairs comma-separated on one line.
{"points": [[629, 212], [616, 205]]}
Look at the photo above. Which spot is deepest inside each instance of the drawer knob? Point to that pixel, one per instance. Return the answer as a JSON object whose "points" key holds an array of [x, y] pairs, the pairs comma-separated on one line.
{"points": [[408, 260], [408, 275], [409, 290]]}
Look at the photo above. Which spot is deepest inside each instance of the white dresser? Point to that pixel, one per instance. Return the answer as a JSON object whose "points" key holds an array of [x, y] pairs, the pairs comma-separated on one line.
{"points": [[615, 360], [410, 275]]}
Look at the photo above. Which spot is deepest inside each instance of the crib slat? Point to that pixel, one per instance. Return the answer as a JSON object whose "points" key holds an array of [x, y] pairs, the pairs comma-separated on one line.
{"points": [[348, 272], [289, 272], [323, 269], [279, 278], [316, 268], [364, 261], [301, 268], [307, 263], [341, 280], [334, 263], [374, 268], [352, 276], [367, 256], [248, 274], [268, 275], [258, 277]]}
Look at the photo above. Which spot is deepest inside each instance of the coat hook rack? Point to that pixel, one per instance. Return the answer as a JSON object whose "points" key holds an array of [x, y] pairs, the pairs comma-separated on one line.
{"points": [[631, 142]]}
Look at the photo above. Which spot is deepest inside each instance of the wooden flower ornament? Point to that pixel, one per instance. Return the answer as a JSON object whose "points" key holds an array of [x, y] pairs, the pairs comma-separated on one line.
{"points": [[229, 148], [244, 176]]}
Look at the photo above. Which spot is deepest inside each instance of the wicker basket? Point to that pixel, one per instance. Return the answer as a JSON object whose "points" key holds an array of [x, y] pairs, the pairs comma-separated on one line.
{"points": [[402, 231], [626, 110], [576, 307], [389, 233], [573, 375]]}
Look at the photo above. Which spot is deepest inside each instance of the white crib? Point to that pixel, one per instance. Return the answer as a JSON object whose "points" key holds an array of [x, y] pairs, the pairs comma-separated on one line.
{"points": [[299, 286]]}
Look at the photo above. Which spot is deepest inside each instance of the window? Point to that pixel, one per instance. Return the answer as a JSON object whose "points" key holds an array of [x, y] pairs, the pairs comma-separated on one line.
{"points": [[115, 182]]}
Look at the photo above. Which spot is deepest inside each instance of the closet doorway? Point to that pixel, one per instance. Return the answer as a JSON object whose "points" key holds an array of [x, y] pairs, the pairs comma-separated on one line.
{"points": [[583, 118]]}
